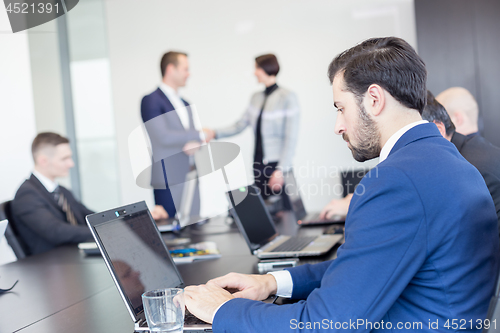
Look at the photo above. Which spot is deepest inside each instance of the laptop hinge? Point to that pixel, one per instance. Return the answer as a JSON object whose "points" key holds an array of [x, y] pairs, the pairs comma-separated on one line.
{"points": [[140, 325]]}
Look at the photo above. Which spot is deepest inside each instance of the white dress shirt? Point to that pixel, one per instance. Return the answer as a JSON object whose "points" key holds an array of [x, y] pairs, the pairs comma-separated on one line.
{"points": [[284, 278], [177, 103], [50, 185], [181, 109]]}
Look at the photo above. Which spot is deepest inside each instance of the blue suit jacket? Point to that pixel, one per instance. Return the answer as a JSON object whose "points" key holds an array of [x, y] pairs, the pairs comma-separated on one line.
{"points": [[168, 136], [421, 245]]}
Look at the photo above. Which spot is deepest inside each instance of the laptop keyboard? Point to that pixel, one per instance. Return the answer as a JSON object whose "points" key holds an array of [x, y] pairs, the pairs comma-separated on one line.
{"points": [[313, 217], [190, 319], [294, 244]]}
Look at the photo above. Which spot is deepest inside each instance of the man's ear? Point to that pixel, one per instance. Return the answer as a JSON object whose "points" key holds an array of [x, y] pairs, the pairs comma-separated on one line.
{"points": [[42, 159], [170, 68], [457, 118], [375, 99], [441, 128]]}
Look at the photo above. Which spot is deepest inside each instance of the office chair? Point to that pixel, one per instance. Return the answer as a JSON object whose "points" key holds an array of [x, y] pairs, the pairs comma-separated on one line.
{"points": [[350, 179], [494, 310], [11, 233]]}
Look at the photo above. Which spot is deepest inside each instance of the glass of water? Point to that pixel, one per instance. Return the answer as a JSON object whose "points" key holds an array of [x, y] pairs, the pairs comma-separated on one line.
{"points": [[164, 309]]}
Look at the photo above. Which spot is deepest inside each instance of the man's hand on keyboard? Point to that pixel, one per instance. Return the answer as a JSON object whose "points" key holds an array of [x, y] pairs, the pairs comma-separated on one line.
{"points": [[256, 287], [204, 300], [336, 207]]}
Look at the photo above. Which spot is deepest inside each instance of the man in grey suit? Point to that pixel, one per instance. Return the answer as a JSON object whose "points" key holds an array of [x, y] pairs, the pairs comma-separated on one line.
{"points": [[173, 131], [45, 213]]}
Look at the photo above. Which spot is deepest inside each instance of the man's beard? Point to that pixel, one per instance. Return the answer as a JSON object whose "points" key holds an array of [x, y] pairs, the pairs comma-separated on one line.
{"points": [[368, 137]]}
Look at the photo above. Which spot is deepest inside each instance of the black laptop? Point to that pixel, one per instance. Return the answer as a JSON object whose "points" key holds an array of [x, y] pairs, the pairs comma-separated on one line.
{"points": [[137, 259], [258, 229]]}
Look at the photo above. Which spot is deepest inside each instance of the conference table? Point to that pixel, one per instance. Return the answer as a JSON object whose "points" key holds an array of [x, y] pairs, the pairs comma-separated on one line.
{"points": [[64, 290]]}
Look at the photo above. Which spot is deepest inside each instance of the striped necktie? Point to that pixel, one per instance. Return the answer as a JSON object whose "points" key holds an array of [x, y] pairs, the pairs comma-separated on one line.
{"points": [[62, 202]]}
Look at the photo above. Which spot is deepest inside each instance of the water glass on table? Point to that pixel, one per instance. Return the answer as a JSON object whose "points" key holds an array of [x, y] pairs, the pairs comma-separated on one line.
{"points": [[164, 309]]}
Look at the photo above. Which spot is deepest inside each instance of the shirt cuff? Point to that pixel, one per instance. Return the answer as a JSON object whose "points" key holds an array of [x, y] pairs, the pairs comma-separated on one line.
{"points": [[213, 317], [284, 283], [202, 136]]}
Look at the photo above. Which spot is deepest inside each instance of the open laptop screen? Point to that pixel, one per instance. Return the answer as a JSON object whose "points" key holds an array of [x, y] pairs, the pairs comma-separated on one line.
{"points": [[140, 260], [292, 189], [253, 214]]}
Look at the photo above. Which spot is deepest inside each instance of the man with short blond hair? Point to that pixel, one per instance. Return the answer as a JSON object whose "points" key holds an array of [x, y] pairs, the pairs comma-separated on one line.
{"points": [[174, 133], [46, 214]]}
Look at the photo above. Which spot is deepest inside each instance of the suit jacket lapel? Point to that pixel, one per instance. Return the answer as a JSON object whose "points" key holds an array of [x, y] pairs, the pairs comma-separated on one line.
{"points": [[190, 114], [43, 191], [416, 133], [169, 106]]}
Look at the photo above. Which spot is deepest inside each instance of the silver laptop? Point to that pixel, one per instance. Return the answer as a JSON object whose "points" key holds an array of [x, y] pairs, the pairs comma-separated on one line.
{"points": [[137, 259], [257, 227], [183, 216], [303, 217]]}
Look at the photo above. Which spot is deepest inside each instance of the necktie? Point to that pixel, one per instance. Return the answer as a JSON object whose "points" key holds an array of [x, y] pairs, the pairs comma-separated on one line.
{"points": [[62, 202]]}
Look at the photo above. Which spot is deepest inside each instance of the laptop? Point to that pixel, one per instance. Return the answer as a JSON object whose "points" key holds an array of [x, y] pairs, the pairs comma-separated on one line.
{"points": [[183, 215], [304, 218], [258, 229], [137, 259]]}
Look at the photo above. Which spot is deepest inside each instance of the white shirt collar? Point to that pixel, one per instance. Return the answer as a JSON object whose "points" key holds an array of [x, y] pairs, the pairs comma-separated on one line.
{"points": [[46, 182], [168, 90], [177, 103], [384, 153]]}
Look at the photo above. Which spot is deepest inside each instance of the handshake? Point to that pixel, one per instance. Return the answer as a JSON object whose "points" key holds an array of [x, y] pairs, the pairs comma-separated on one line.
{"points": [[191, 147], [209, 134]]}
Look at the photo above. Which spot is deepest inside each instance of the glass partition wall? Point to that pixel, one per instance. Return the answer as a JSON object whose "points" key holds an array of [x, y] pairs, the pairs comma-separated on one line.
{"points": [[72, 96]]}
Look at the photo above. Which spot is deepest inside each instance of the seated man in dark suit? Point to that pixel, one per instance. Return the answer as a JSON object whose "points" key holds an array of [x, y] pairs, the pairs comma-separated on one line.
{"points": [[46, 214], [476, 149], [421, 250]]}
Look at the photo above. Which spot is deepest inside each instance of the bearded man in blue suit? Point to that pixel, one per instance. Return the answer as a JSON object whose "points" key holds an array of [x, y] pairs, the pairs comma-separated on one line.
{"points": [[421, 245]]}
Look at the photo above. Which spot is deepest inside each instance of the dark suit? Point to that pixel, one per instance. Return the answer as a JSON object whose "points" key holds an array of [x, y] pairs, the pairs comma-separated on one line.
{"points": [[420, 245], [41, 223], [168, 136], [486, 158]]}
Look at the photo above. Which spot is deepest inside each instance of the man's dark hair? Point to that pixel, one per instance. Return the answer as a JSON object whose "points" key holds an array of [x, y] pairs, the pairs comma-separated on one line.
{"points": [[269, 63], [389, 62], [170, 57], [45, 139], [434, 111]]}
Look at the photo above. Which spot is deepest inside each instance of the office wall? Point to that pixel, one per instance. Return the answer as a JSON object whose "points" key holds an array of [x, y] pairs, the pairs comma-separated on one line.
{"points": [[16, 116], [46, 78], [222, 38], [16, 109], [458, 40]]}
